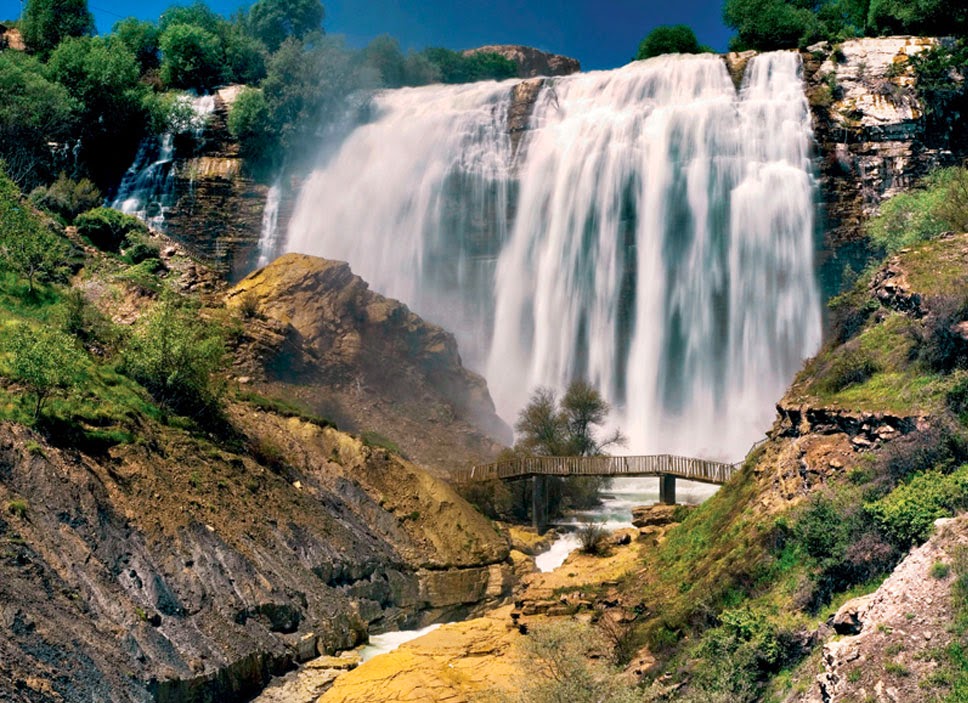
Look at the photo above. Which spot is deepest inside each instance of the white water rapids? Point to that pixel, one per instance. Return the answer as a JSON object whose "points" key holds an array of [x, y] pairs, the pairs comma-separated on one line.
{"points": [[653, 233]]}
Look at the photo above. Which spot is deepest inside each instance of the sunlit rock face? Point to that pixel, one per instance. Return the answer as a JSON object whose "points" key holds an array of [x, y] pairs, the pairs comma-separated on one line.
{"points": [[652, 231], [870, 123]]}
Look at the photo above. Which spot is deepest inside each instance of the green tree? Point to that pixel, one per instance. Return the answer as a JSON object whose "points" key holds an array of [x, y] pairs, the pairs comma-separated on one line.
{"points": [[931, 17], [669, 39], [47, 22], [101, 74], [141, 39], [46, 361], [34, 113], [384, 58], [67, 197], [192, 57], [176, 356], [107, 228], [26, 246], [250, 123], [766, 25], [197, 14], [541, 426], [274, 21]]}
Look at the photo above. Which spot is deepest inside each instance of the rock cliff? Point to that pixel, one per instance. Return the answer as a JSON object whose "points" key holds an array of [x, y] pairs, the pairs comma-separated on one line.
{"points": [[531, 62], [178, 570], [367, 362]]}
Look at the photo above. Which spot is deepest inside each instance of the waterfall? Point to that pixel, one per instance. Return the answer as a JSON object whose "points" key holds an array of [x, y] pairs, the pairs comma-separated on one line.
{"points": [[653, 233], [269, 235], [147, 188]]}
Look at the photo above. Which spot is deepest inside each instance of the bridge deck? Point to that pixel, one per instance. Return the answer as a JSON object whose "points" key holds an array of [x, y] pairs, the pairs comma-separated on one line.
{"points": [[701, 470]]}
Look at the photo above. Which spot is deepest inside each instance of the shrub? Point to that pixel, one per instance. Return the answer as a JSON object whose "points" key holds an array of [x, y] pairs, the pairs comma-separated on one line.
{"points": [[192, 57], [66, 197], [851, 366], [46, 362], [17, 507], [942, 347], [907, 513], [940, 570], [669, 39], [175, 354], [106, 228], [140, 252], [593, 538], [251, 124]]}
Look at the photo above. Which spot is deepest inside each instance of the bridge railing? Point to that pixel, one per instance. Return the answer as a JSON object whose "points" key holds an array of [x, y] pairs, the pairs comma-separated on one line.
{"points": [[701, 470]]}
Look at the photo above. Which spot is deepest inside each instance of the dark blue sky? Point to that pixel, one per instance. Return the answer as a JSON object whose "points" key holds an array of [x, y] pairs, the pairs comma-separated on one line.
{"points": [[601, 34]]}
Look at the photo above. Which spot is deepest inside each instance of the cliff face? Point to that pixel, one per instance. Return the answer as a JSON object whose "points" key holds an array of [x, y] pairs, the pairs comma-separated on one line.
{"points": [[218, 205], [178, 570], [367, 362], [872, 136]]}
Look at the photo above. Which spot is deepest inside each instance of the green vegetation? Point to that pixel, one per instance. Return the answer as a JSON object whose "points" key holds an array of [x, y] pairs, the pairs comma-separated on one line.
{"points": [[27, 246], [44, 362], [48, 22], [66, 197], [670, 39], [274, 21], [107, 229], [908, 512], [593, 538], [777, 24]]}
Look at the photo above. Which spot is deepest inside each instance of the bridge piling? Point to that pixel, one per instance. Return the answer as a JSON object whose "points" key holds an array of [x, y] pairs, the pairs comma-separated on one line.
{"points": [[539, 502], [667, 489]]}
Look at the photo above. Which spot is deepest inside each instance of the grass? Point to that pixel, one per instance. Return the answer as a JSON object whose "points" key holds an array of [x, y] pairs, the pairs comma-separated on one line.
{"points": [[283, 408]]}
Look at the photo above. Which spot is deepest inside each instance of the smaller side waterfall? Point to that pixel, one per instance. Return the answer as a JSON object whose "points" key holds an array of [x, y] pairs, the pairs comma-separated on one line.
{"points": [[269, 236], [147, 189]]}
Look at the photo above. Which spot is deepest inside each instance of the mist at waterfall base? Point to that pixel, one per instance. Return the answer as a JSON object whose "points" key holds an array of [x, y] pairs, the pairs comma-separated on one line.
{"points": [[652, 232]]}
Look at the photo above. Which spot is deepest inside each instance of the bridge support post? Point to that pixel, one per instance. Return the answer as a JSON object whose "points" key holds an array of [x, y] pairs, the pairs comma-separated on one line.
{"points": [[667, 489], [539, 503]]}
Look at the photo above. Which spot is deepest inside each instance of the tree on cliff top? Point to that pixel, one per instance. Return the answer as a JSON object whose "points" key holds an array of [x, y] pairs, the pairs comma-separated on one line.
{"points": [[274, 21], [47, 22], [670, 39]]}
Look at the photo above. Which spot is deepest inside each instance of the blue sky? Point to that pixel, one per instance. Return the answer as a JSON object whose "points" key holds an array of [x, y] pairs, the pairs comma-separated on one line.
{"points": [[601, 34]]}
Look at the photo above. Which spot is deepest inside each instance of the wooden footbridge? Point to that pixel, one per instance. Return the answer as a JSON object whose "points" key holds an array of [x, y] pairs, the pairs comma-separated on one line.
{"points": [[665, 466]]}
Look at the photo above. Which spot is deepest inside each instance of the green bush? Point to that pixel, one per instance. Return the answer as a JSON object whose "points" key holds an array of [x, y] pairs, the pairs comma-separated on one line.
{"points": [[250, 123], [66, 197], [850, 366], [48, 22], [106, 228], [192, 57], [45, 362], [139, 252], [273, 21], [176, 355], [669, 39], [907, 513]]}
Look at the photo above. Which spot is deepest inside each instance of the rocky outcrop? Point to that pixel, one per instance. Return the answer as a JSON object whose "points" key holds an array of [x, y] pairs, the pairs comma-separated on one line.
{"points": [[531, 62], [891, 637], [367, 362], [11, 38], [872, 135], [177, 569], [218, 204]]}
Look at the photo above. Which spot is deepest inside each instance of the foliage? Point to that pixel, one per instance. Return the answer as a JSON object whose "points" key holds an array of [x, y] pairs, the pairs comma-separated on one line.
{"points": [[922, 17], [548, 428], [47, 22], [192, 57], [770, 24], [738, 655], [940, 345], [250, 123], [455, 67], [106, 228], [907, 513], [274, 21], [850, 365], [141, 39], [35, 113], [102, 76], [559, 667], [941, 73], [939, 204], [593, 538], [175, 355], [66, 197], [669, 39], [27, 246], [45, 361]]}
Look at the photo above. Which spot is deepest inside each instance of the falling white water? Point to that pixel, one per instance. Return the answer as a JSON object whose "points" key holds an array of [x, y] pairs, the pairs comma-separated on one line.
{"points": [[654, 235], [269, 236], [147, 189]]}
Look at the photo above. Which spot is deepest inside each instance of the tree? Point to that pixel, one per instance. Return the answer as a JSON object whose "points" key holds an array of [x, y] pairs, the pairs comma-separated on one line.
{"points": [[35, 112], [384, 57], [26, 245], [192, 57], [101, 74], [175, 355], [771, 24], [274, 21], [47, 22], [45, 361], [67, 197], [547, 428], [141, 39], [250, 123], [669, 39]]}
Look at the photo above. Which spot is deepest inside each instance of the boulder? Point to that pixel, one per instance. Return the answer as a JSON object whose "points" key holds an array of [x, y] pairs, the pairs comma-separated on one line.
{"points": [[531, 62]]}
